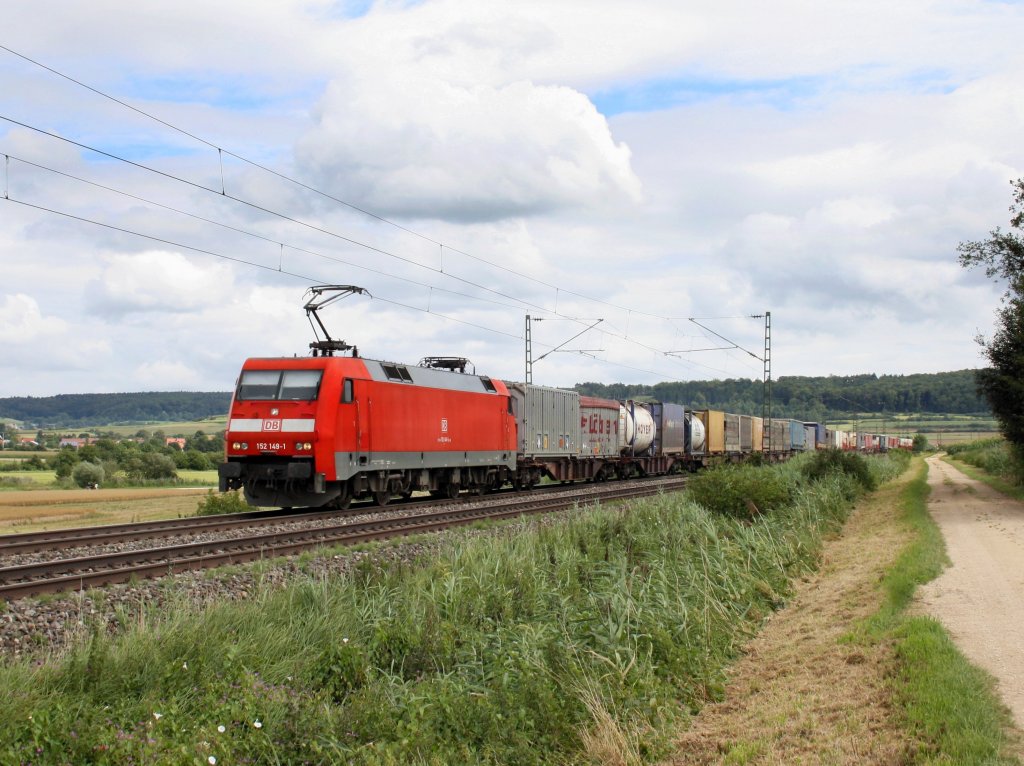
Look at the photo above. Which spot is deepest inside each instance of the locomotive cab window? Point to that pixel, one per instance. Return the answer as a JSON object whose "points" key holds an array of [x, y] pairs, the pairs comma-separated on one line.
{"points": [[347, 395], [258, 384], [293, 385], [300, 384]]}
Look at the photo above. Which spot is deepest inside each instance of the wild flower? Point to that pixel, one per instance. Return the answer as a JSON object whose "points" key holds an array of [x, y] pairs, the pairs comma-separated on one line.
{"points": [[212, 760], [158, 716], [221, 729], [184, 665], [257, 724]]}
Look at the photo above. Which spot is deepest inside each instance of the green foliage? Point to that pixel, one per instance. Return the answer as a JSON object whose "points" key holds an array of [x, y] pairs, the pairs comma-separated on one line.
{"points": [[226, 502], [507, 648], [86, 474], [1002, 383], [815, 398], [833, 461], [150, 465], [99, 409], [742, 491], [994, 456], [64, 462], [920, 443]]}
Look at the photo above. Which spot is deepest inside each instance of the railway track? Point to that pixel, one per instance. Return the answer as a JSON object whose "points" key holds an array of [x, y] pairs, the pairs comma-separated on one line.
{"points": [[84, 572]]}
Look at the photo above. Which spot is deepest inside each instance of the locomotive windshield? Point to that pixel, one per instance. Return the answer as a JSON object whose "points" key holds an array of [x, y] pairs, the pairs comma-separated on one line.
{"points": [[294, 385]]}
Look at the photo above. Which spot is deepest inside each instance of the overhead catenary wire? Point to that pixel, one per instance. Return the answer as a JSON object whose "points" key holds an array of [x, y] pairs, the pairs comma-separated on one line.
{"points": [[621, 335], [221, 151], [307, 278]]}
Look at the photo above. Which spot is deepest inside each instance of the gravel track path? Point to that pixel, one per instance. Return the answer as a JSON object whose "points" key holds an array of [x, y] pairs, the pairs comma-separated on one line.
{"points": [[980, 598]]}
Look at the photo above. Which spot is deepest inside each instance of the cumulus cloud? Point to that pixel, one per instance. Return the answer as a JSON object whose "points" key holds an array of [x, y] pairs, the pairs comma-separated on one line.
{"points": [[418, 146], [155, 281]]}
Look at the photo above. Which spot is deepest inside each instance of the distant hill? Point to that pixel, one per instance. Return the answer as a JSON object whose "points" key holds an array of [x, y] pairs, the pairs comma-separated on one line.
{"points": [[74, 410], [803, 397], [821, 399]]}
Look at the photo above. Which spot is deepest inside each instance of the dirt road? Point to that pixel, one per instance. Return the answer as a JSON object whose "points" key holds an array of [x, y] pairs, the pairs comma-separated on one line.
{"points": [[980, 598]]}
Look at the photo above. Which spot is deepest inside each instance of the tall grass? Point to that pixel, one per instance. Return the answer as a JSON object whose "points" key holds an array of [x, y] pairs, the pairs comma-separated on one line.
{"points": [[994, 456], [549, 643]]}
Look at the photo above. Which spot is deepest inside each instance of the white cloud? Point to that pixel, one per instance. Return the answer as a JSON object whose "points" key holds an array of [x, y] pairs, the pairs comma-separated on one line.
{"points": [[155, 281]]}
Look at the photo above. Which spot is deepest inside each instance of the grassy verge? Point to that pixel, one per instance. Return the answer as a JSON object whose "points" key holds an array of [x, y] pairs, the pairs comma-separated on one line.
{"points": [[998, 483], [949, 707], [574, 641]]}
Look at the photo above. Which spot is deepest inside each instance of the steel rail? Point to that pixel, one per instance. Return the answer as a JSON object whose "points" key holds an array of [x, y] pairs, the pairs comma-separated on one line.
{"points": [[93, 571]]}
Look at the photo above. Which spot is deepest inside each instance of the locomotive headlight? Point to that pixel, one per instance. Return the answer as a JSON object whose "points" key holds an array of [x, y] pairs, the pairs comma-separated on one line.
{"points": [[303, 446], [239, 445]]}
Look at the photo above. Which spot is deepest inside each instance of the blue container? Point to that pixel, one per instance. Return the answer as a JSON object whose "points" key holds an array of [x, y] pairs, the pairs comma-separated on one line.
{"points": [[797, 435]]}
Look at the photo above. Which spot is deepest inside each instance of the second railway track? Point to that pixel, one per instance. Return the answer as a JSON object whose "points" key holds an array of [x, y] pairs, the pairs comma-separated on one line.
{"points": [[84, 572]]}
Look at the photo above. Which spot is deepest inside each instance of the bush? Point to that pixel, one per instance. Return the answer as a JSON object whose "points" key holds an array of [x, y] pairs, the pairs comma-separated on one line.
{"points": [[741, 491], [227, 502], [828, 462], [151, 465], [87, 474]]}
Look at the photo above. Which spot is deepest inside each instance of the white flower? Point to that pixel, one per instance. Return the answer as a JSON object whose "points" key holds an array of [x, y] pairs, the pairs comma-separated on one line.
{"points": [[221, 728], [212, 760], [257, 724], [344, 640], [184, 666], [158, 716]]}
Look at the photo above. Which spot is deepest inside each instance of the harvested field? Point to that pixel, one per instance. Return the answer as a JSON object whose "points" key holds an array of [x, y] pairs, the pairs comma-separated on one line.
{"points": [[30, 510]]}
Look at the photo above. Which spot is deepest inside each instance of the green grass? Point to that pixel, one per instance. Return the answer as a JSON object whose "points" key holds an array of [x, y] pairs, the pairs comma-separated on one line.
{"points": [[575, 641], [948, 706]]}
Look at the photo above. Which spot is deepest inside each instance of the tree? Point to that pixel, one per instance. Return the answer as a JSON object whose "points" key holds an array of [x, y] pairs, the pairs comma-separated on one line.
{"points": [[1002, 383], [87, 474]]}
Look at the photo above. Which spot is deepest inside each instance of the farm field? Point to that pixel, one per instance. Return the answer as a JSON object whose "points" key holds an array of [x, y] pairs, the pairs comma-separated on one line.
{"points": [[43, 509]]}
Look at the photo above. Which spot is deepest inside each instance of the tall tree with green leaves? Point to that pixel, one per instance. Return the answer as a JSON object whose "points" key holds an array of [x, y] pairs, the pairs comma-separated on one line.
{"points": [[1002, 383]]}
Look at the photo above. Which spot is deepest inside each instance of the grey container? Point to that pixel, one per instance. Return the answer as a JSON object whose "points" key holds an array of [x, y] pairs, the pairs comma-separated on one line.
{"points": [[732, 433], [548, 420], [747, 434], [670, 428]]}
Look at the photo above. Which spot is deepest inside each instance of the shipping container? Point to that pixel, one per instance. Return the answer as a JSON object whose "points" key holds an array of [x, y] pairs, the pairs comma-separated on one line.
{"points": [[599, 427], [779, 435], [732, 433], [548, 420], [746, 433], [714, 431], [669, 428], [696, 434], [797, 435], [757, 433], [820, 438], [810, 433], [636, 428]]}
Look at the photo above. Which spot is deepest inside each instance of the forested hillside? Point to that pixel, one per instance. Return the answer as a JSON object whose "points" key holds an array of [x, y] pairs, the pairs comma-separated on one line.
{"points": [[817, 398], [803, 397], [67, 410]]}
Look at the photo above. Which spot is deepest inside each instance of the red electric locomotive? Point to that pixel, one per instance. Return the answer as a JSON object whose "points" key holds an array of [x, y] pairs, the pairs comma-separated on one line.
{"points": [[320, 431]]}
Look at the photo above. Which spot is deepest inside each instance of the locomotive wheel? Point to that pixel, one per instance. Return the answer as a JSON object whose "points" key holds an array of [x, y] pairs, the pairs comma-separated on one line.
{"points": [[383, 497], [452, 491]]}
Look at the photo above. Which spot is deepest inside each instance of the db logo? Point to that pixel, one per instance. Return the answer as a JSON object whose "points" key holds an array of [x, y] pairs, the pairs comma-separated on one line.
{"points": [[271, 425], [444, 425]]}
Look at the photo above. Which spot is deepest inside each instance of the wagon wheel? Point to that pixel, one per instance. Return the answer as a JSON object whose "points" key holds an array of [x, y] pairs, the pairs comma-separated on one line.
{"points": [[480, 489], [452, 490], [383, 497]]}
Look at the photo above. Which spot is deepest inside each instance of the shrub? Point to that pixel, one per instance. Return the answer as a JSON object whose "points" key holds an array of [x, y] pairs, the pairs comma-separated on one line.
{"points": [[741, 491], [151, 465], [227, 502], [86, 474], [832, 461]]}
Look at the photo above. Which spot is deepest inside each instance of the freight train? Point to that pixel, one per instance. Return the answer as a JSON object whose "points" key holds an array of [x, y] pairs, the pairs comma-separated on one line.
{"points": [[322, 430]]}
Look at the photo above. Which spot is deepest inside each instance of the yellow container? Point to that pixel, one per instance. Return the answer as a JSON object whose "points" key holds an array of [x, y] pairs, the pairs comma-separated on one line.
{"points": [[757, 427], [714, 427]]}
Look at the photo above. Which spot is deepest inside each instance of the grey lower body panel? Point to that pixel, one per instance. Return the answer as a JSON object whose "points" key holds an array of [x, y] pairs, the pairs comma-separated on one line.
{"points": [[348, 464]]}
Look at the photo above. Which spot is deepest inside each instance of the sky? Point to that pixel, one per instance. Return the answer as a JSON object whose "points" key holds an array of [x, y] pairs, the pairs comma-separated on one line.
{"points": [[176, 175]]}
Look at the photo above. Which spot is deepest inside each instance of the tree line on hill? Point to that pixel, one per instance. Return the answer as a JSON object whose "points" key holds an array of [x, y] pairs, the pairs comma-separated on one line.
{"points": [[808, 398], [81, 410], [815, 398]]}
